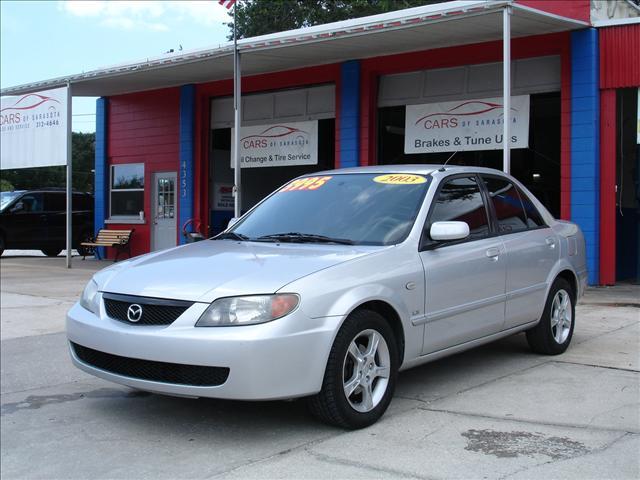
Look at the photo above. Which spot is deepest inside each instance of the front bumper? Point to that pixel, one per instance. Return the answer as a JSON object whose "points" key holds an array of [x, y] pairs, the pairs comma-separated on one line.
{"points": [[285, 358]]}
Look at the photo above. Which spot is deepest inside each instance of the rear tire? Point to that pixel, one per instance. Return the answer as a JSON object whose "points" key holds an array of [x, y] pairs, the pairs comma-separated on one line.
{"points": [[552, 335], [82, 250], [51, 252], [2, 244], [361, 373]]}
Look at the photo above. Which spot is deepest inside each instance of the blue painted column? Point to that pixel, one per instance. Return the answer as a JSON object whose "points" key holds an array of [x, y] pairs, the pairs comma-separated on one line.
{"points": [[349, 132], [585, 143], [101, 178], [187, 147]]}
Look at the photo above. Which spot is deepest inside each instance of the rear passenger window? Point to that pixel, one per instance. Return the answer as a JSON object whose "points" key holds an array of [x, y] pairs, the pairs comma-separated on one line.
{"points": [[460, 200], [534, 219], [507, 205]]}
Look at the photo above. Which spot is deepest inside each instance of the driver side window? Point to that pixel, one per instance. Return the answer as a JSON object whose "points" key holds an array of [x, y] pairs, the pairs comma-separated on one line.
{"points": [[31, 203], [460, 200]]}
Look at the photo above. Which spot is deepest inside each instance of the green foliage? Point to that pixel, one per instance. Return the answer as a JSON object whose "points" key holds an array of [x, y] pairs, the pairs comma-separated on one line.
{"points": [[82, 147], [5, 186], [260, 17]]}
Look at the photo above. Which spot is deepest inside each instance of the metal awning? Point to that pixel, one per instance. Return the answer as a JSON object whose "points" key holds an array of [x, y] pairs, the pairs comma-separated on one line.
{"points": [[420, 28]]}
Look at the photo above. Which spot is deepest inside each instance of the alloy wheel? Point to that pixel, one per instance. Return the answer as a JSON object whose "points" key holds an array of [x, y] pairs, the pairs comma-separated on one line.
{"points": [[561, 316], [366, 370]]}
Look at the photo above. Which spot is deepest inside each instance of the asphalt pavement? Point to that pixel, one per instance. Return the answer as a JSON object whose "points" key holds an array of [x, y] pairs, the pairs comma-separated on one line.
{"points": [[498, 411]]}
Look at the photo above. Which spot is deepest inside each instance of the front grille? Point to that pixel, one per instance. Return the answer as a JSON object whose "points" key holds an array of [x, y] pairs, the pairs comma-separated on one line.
{"points": [[155, 311], [176, 373]]}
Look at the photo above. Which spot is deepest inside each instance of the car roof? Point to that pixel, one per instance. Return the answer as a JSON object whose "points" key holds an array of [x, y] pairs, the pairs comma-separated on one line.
{"points": [[50, 190], [418, 169]]}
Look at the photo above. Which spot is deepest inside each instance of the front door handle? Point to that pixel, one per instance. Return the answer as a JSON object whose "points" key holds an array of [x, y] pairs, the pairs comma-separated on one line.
{"points": [[493, 253]]}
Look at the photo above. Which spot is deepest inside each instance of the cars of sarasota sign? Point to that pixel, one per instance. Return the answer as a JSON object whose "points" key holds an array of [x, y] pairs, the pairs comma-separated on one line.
{"points": [[34, 129], [465, 125], [283, 144]]}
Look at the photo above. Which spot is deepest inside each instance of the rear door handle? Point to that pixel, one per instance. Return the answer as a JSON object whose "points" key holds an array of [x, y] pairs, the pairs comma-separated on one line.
{"points": [[551, 242], [493, 253]]}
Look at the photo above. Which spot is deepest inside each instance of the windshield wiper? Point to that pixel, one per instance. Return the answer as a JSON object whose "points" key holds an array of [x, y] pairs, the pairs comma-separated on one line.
{"points": [[231, 236], [302, 238]]}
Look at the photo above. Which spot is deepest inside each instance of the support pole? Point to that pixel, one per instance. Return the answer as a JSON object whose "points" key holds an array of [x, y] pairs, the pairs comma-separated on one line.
{"points": [[69, 178], [506, 89], [237, 105]]}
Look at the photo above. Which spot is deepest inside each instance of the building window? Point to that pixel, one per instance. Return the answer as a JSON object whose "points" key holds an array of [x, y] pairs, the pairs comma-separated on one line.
{"points": [[127, 190]]}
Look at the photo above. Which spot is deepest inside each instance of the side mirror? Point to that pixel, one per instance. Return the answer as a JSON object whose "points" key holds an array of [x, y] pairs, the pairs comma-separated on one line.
{"points": [[19, 206], [449, 231], [232, 222]]}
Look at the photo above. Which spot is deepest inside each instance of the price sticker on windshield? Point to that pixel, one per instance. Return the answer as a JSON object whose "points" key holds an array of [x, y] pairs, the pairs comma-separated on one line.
{"points": [[400, 179], [307, 183]]}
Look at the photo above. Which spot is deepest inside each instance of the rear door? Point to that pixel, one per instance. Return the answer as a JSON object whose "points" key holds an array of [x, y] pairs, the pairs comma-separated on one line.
{"points": [[465, 280], [532, 250], [82, 216], [56, 212]]}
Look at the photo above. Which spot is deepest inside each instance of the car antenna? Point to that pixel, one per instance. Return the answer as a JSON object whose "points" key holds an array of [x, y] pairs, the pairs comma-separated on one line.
{"points": [[441, 169]]}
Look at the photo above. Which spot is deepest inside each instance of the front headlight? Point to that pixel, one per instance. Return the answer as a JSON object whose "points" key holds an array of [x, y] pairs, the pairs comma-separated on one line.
{"points": [[248, 310], [89, 298]]}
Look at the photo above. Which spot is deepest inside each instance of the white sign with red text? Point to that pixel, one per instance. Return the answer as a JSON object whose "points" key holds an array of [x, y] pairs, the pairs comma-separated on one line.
{"points": [[223, 196], [34, 130], [283, 144], [465, 125]]}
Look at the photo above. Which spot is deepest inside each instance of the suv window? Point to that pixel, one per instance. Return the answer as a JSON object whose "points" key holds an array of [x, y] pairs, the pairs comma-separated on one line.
{"points": [[32, 203], [534, 219], [507, 205], [459, 199]]}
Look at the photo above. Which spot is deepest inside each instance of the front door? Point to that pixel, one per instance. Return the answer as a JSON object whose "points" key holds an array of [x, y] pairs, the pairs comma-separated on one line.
{"points": [[465, 280], [164, 233], [26, 222]]}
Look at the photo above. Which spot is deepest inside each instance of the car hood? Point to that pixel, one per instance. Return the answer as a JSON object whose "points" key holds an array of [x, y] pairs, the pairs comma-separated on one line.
{"points": [[210, 269]]}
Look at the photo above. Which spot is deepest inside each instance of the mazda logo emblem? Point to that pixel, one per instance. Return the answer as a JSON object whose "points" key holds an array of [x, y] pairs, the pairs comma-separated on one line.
{"points": [[134, 312]]}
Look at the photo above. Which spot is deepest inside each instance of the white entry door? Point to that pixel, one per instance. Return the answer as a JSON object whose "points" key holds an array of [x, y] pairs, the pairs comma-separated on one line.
{"points": [[164, 233]]}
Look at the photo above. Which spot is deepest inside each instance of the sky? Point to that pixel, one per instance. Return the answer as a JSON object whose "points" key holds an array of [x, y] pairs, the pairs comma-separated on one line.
{"points": [[40, 40]]}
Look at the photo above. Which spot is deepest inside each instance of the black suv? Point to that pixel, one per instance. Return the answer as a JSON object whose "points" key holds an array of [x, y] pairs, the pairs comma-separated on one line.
{"points": [[36, 220]]}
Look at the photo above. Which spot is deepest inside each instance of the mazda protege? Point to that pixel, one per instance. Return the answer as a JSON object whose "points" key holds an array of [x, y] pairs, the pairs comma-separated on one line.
{"points": [[334, 283]]}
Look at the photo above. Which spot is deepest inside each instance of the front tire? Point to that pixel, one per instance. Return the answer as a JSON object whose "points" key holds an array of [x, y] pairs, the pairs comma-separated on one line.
{"points": [[552, 335], [361, 373], [51, 252]]}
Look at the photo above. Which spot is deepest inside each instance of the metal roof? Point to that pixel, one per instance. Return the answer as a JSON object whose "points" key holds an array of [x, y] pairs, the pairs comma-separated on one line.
{"points": [[413, 29]]}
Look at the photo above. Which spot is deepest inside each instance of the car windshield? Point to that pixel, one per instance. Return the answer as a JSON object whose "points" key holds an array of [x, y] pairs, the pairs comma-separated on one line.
{"points": [[6, 198], [358, 209]]}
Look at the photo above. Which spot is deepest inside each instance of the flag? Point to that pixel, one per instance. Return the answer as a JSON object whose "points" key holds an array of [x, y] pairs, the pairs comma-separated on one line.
{"points": [[227, 3]]}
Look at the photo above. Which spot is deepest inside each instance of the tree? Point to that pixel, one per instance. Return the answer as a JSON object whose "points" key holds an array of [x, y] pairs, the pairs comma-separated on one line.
{"points": [[260, 17], [82, 148], [5, 186]]}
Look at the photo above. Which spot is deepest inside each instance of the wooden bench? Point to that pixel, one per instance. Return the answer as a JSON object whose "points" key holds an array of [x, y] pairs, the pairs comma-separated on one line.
{"points": [[118, 239]]}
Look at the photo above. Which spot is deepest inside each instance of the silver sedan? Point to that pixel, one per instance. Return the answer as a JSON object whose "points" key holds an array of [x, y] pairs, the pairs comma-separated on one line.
{"points": [[333, 284]]}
